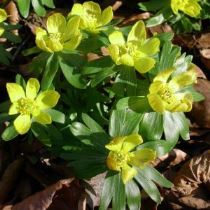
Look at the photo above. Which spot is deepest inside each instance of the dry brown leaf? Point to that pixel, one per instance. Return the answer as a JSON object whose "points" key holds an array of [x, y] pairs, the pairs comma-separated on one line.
{"points": [[9, 178], [191, 184], [200, 113], [63, 195]]}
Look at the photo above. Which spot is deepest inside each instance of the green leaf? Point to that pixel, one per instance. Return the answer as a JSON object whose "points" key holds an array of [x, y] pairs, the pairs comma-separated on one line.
{"points": [[50, 72], [107, 192], [126, 82], [9, 133], [72, 75], [137, 104], [153, 5], [156, 20], [20, 80], [148, 186], [160, 146], [119, 196], [24, 7], [175, 124], [151, 126], [154, 175], [5, 117], [92, 124], [5, 56], [12, 37], [38, 8], [48, 3], [133, 195], [123, 122], [57, 116]]}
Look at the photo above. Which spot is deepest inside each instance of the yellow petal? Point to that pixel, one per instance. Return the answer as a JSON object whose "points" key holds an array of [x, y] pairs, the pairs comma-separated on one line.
{"points": [[15, 91], [77, 9], [117, 38], [3, 15], [131, 141], [1, 31], [53, 44], [114, 52], [156, 86], [185, 102], [73, 43], [13, 109], [192, 8], [111, 162], [22, 124], [126, 59], [142, 157], [47, 99], [92, 8], [151, 46], [183, 80], [163, 76], [56, 23], [107, 15], [144, 64], [138, 32], [156, 103], [43, 118], [128, 173], [32, 88], [115, 144]]}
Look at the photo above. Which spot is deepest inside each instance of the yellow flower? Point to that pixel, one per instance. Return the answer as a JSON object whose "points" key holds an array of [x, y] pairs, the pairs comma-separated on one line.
{"points": [[60, 34], [92, 18], [121, 157], [30, 105], [3, 17], [136, 51], [170, 96], [189, 7]]}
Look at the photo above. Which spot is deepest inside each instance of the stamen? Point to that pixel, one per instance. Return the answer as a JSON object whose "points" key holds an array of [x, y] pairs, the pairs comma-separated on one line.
{"points": [[25, 106]]}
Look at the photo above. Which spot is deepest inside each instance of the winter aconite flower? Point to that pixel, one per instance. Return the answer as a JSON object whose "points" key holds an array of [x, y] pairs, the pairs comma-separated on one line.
{"points": [[30, 105], [60, 34], [3, 17], [122, 158], [137, 51], [167, 94], [189, 7], [92, 18]]}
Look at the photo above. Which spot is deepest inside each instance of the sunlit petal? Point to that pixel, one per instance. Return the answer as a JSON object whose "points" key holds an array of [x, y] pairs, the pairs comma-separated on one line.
{"points": [[22, 124], [15, 91]]}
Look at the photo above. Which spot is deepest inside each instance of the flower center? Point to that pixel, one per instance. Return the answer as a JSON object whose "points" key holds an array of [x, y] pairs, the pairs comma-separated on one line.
{"points": [[165, 94], [120, 159], [90, 19], [25, 106], [55, 36]]}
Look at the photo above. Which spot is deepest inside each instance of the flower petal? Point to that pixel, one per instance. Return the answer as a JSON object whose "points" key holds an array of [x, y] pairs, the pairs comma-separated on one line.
{"points": [[77, 9], [115, 144], [13, 109], [114, 52], [15, 91], [192, 8], [3, 15], [22, 124], [43, 118], [92, 8], [32, 88], [156, 86], [106, 15], [128, 173], [126, 59], [47, 99], [112, 163], [142, 157], [117, 38], [156, 103], [72, 28], [131, 141], [1, 31], [56, 23], [163, 75], [183, 79], [73, 43], [144, 64], [138, 32], [150, 47]]}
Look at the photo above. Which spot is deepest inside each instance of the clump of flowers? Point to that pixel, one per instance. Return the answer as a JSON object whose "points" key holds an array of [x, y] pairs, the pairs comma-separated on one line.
{"points": [[167, 94], [122, 158], [91, 16], [3, 17], [137, 51], [60, 34], [30, 105]]}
